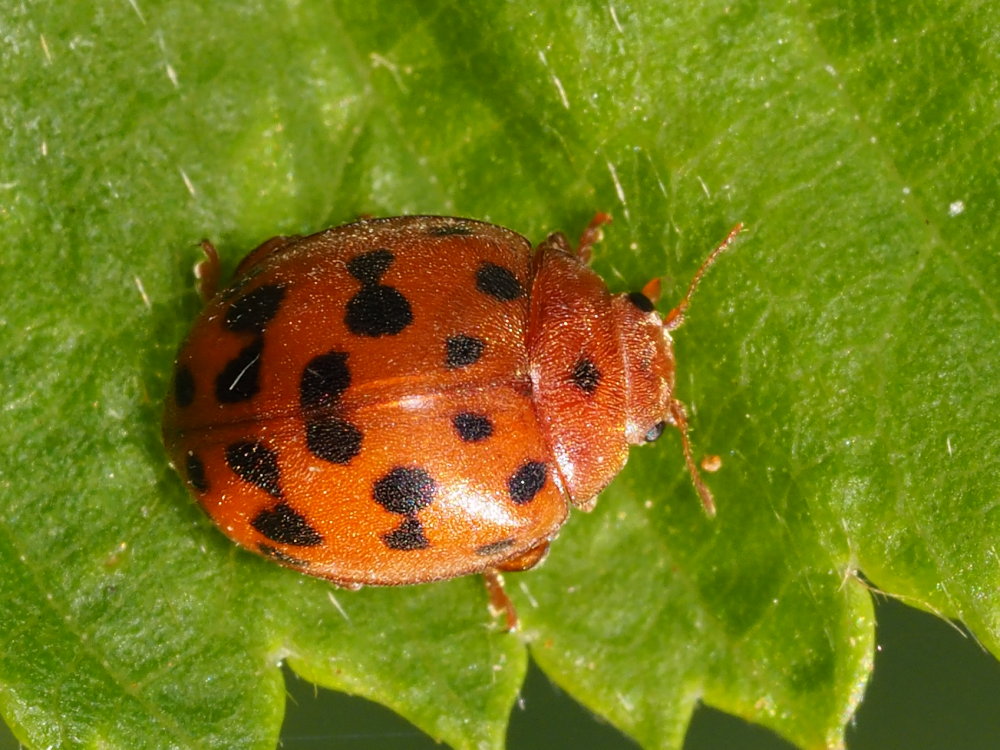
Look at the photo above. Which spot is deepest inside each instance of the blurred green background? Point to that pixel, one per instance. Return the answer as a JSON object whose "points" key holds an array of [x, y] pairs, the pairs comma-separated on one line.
{"points": [[934, 688]]}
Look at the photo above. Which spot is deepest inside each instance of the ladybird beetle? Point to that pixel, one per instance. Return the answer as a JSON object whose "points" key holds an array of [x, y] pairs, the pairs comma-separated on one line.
{"points": [[416, 398]]}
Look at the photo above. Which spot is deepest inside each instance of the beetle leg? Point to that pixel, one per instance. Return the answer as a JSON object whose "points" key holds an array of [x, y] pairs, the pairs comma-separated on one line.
{"points": [[652, 289], [592, 235], [208, 271], [500, 603]]}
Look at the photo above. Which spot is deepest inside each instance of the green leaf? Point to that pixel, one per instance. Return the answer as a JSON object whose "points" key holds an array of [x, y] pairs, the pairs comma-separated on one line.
{"points": [[842, 359]]}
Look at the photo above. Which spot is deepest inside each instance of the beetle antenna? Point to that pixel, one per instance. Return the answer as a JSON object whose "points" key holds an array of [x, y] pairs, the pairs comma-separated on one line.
{"points": [[679, 419], [675, 318], [678, 416]]}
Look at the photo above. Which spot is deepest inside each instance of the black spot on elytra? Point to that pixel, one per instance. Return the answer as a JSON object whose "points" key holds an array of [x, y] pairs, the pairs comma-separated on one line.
{"points": [[183, 386], [498, 282], [254, 310], [493, 548], [284, 525], [462, 351], [324, 380], [446, 230], [527, 482], [369, 267], [655, 431], [282, 557], [472, 427], [240, 378], [641, 301], [333, 439], [586, 376], [409, 535], [256, 464], [194, 467], [405, 490], [376, 310]]}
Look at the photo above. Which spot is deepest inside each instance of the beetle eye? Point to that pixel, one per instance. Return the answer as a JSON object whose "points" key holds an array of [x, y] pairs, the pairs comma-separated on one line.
{"points": [[655, 431], [641, 301]]}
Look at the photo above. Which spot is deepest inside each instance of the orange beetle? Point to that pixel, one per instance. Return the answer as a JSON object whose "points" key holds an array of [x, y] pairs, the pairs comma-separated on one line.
{"points": [[416, 398]]}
